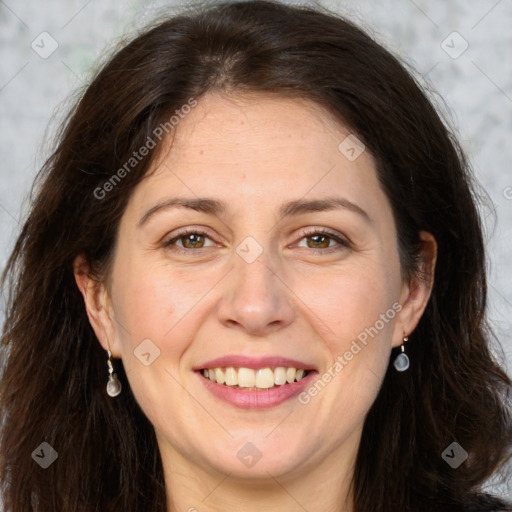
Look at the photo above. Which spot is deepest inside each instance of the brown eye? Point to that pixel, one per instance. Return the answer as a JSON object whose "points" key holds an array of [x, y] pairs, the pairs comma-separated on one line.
{"points": [[189, 240], [318, 241], [192, 241], [322, 241]]}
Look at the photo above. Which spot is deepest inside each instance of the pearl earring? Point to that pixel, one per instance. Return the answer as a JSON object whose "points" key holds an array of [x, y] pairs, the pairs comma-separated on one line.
{"points": [[114, 385], [401, 362]]}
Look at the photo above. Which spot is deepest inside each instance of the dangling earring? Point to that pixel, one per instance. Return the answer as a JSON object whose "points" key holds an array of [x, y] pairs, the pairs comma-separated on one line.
{"points": [[114, 385], [401, 362]]}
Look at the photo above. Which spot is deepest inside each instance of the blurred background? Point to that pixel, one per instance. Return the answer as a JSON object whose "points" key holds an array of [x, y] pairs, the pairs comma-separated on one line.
{"points": [[461, 51]]}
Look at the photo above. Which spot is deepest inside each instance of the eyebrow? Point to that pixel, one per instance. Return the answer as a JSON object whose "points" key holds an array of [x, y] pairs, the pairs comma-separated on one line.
{"points": [[205, 205], [319, 205], [291, 208]]}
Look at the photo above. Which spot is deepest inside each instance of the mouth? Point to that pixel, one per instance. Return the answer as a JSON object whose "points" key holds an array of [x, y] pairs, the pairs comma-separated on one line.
{"points": [[255, 382], [254, 379]]}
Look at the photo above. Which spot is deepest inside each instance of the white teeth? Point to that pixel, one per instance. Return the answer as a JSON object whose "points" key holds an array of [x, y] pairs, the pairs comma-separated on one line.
{"points": [[280, 376], [263, 378], [231, 377], [246, 377], [219, 376]]}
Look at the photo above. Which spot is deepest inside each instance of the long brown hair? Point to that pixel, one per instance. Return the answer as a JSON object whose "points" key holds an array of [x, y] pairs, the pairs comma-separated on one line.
{"points": [[54, 375]]}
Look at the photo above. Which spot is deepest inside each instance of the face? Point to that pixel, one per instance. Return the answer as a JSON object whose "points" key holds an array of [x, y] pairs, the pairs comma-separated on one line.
{"points": [[256, 289]]}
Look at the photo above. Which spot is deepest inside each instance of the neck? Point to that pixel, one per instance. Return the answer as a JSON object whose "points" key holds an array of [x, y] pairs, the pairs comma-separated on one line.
{"points": [[192, 488]]}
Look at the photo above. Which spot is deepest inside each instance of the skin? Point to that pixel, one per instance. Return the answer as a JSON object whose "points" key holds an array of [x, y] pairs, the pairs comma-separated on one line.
{"points": [[300, 299]]}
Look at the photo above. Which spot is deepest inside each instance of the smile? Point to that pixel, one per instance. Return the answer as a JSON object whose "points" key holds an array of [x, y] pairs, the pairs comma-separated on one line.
{"points": [[250, 379]]}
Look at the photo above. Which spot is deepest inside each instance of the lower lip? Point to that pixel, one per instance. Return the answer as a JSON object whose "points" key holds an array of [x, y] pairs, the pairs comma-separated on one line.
{"points": [[263, 399]]}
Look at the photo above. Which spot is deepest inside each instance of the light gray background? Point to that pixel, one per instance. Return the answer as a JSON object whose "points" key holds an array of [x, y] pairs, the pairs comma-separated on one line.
{"points": [[476, 86]]}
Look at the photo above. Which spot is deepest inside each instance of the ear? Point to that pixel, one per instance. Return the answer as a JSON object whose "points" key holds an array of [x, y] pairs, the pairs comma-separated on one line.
{"points": [[416, 293], [97, 304]]}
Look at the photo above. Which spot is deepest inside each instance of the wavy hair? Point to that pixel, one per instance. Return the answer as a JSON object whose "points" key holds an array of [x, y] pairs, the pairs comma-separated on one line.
{"points": [[54, 369]]}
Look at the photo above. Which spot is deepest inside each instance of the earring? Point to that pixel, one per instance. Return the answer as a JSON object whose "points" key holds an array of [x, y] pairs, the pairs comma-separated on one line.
{"points": [[401, 362], [114, 385]]}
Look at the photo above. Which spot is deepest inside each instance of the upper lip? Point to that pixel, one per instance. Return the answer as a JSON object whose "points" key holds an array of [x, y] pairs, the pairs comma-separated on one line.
{"points": [[254, 363]]}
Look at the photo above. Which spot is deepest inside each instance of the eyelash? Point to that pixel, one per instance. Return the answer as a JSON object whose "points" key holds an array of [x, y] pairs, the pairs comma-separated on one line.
{"points": [[342, 243], [183, 234]]}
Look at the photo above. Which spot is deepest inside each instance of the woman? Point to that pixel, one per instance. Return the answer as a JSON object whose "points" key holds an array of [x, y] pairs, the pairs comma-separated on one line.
{"points": [[252, 278]]}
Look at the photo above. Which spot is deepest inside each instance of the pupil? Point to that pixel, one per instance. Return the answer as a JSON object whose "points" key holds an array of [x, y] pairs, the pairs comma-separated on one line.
{"points": [[319, 241], [193, 240]]}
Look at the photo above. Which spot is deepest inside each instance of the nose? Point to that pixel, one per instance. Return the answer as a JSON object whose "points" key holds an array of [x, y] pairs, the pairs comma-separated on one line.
{"points": [[255, 299]]}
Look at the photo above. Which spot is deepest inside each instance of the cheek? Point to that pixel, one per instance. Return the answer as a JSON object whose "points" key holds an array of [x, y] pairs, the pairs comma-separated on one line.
{"points": [[354, 312], [157, 315], [356, 318], [159, 311], [153, 302], [352, 301]]}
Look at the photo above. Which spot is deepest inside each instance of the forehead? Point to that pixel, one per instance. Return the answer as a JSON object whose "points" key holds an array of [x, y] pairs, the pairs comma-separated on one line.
{"points": [[258, 146], [258, 123], [258, 138]]}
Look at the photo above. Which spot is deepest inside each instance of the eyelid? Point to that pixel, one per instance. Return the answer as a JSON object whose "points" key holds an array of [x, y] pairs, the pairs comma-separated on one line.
{"points": [[338, 237], [182, 232], [341, 240]]}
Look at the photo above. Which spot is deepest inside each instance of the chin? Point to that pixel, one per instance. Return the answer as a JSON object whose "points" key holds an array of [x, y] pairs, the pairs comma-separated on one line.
{"points": [[259, 459]]}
